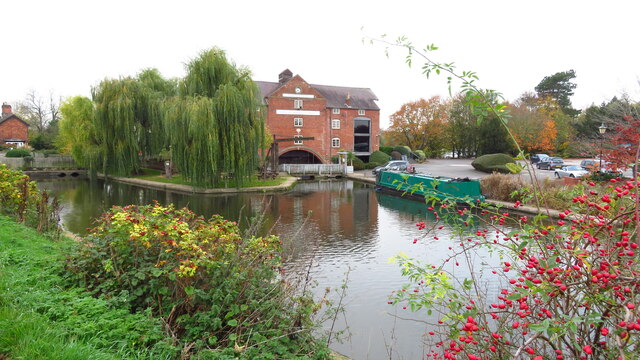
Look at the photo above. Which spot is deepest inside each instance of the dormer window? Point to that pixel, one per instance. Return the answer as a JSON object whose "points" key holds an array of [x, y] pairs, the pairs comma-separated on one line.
{"points": [[297, 104]]}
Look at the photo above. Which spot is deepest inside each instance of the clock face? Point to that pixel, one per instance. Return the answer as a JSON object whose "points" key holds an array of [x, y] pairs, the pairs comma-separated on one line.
{"points": [[298, 90]]}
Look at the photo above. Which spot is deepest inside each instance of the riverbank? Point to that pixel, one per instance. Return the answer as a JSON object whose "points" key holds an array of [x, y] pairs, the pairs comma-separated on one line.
{"points": [[289, 183], [366, 177]]}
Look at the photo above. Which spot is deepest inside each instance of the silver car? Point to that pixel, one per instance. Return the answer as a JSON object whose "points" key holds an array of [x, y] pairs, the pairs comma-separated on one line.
{"points": [[573, 171]]}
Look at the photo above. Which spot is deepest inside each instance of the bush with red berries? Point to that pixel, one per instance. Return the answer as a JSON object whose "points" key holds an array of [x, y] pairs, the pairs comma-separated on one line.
{"points": [[566, 287]]}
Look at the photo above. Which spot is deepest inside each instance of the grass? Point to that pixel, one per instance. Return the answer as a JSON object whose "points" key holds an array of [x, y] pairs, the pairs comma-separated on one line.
{"points": [[41, 317], [156, 175]]}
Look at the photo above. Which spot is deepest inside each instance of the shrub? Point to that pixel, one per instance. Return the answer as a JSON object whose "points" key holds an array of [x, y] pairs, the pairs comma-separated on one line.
{"points": [[212, 288], [404, 150], [502, 187], [493, 163], [420, 154], [565, 288], [358, 164], [21, 200], [379, 157], [386, 149], [15, 153], [396, 155]]}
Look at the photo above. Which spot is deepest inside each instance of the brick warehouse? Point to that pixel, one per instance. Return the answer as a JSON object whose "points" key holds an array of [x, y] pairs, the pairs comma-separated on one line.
{"points": [[337, 118], [13, 130]]}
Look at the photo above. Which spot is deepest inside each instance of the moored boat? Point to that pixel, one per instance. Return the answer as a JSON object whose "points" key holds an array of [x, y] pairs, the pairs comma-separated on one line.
{"points": [[419, 186]]}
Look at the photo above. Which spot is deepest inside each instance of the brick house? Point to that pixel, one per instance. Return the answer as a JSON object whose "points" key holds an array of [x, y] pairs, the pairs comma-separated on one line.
{"points": [[13, 130], [337, 118]]}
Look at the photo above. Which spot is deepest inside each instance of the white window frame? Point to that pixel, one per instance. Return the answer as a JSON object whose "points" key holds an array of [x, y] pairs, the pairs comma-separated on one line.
{"points": [[336, 111], [335, 124], [335, 142], [297, 142], [297, 122], [298, 103], [361, 112]]}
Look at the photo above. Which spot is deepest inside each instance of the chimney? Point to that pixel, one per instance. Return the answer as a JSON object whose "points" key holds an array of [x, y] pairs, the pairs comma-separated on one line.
{"points": [[348, 100], [285, 76], [6, 109]]}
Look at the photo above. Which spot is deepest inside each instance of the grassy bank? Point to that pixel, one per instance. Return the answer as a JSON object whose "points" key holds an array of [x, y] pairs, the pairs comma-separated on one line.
{"points": [[41, 319], [157, 175]]}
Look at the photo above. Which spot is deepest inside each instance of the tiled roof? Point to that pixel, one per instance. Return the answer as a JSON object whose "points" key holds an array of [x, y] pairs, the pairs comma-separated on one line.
{"points": [[336, 96], [6, 116]]}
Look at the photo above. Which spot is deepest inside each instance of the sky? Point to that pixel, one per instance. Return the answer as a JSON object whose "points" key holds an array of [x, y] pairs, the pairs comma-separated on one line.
{"points": [[67, 47]]}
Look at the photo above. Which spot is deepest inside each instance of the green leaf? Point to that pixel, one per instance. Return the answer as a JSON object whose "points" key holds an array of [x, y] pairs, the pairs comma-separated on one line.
{"points": [[232, 322], [233, 337]]}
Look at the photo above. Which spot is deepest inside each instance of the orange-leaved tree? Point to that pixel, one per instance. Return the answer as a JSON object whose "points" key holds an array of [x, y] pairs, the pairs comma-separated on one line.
{"points": [[420, 124]]}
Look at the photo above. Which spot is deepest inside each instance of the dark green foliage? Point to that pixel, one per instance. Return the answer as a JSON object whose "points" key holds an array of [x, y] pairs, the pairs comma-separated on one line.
{"points": [[493, 137], [493, 163], [41, 141], [559, 86], [421, 155], [386, 149], [462, 131], [358, 164], [379, 157], [404, 150], [15, 153]]}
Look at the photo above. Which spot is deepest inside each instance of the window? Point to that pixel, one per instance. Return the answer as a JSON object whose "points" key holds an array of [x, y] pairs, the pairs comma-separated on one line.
{"points": [[296, 140], [336, 111], [297, 104], [335, 142], [361, 112], [297, 122], [335, 124]]}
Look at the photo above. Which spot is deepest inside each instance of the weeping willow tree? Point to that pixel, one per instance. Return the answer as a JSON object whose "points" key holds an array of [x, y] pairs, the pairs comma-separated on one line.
{"points": [[127, 120], [214, 126], [76, 134]]}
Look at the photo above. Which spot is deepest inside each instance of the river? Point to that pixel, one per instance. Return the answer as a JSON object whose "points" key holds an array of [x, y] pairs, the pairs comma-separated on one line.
{"points": [[337, 226]]}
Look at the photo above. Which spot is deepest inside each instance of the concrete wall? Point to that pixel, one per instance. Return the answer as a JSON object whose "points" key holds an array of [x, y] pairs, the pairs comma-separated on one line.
{"points": [[41, 162]]}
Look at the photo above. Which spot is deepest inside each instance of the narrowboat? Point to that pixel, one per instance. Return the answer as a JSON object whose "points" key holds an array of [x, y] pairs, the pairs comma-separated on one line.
{"points": [[418, 186]]}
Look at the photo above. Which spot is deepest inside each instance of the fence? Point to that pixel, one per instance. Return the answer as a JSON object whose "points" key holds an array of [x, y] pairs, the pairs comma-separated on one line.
{"points": [[39, 161], [316, 169]]}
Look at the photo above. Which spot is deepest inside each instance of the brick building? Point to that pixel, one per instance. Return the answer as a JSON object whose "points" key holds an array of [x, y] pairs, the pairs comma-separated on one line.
{"points": [[337, 118], [13, 130]]}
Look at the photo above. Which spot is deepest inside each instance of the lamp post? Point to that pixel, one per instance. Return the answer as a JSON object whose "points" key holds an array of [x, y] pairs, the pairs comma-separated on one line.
{"points": [[602, 129]]}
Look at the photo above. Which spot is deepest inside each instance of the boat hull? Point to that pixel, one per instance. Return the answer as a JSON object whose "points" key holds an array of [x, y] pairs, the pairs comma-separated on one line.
{"points": [[419, 186]]}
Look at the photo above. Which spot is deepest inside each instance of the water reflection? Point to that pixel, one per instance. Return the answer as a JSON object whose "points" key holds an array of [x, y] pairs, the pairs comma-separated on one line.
{"points": [[337, 226]]}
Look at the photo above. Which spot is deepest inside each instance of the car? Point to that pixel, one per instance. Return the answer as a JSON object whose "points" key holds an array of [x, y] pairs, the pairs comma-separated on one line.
{"points": [[551, 163], [536, 158], [398, 165], [573, 171], [590, 164]]}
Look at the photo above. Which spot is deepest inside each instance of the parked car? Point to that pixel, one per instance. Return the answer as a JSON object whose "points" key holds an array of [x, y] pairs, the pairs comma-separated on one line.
{"points": [[590, 164], [398, 165], [551, 163], [536, 158], [573, 171]]}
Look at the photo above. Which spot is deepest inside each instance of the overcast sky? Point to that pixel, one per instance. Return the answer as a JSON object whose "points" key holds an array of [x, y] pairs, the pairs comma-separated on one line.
{"points": [[66, 47]]}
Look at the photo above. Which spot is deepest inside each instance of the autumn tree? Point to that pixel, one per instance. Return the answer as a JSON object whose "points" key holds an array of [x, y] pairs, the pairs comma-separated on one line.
{"points": [[421, 125]]}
